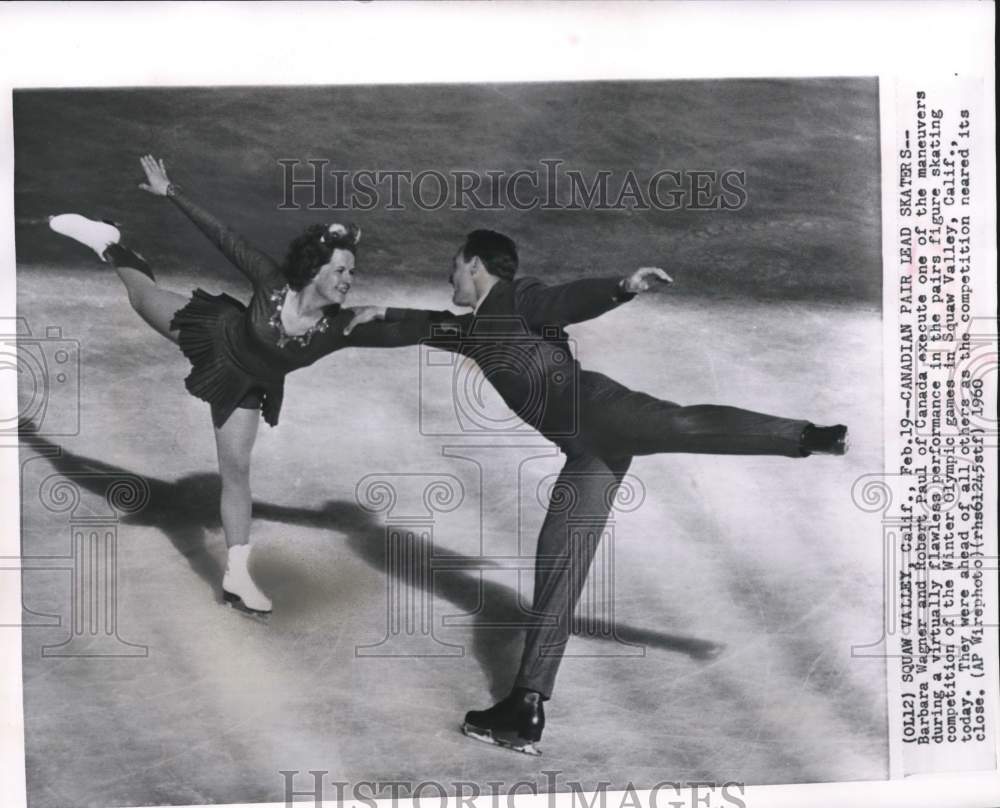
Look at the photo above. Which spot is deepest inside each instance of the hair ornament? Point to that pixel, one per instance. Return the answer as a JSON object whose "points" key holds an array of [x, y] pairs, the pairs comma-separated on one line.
{"points": [[340, 235]]}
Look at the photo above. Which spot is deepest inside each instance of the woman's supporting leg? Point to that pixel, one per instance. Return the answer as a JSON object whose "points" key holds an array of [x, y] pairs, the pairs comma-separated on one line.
{"points": [[234, 442]]}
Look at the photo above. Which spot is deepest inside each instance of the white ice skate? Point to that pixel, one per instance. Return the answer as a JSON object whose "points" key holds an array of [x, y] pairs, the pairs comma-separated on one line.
{"points": [[96, 235], [238, 588]]}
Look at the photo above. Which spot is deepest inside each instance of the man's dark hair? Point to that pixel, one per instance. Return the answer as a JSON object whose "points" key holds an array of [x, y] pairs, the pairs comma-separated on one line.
{"points": [[497, 252]]}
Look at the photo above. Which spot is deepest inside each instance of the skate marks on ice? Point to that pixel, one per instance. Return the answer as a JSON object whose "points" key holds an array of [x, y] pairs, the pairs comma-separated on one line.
{"points": [[187, 511], [710, 718]]}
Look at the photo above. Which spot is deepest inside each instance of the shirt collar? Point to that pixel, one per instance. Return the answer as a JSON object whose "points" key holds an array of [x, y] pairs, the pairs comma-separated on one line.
{"points": [[482, 299]]}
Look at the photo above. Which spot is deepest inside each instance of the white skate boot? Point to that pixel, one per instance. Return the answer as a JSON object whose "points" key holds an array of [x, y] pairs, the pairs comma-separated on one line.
{"points": [[96, 235], [238, 588]]}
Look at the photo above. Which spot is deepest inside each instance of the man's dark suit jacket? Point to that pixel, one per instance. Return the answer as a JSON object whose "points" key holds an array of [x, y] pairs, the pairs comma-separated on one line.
{"points": [[517, 338]]}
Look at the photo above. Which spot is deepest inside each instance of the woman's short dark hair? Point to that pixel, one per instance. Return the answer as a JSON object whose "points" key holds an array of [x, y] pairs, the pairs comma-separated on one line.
{"points": [[313, 249], [497, 252]]}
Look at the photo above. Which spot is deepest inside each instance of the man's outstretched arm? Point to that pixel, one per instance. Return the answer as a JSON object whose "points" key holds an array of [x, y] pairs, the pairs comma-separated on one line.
{"points": [[255, 264], [581, 300]]}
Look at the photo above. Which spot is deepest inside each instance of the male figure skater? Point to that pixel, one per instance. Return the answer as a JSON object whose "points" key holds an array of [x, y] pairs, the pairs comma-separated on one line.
{"points": [[515, 334]]}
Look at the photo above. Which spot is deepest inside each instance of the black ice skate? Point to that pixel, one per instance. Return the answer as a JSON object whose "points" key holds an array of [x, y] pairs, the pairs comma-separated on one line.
{"points": [[514, 723], [825, 440]]}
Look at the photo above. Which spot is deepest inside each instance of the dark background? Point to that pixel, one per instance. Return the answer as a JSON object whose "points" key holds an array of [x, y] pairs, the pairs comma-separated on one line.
{"points": [[810, 229]]}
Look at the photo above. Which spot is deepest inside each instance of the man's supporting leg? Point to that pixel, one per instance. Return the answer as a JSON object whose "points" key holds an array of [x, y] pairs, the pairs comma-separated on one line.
{"points": [[574, 525], [578, 510]]}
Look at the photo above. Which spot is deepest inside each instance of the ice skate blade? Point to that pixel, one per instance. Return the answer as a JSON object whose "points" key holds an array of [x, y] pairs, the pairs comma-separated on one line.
{"points": [[513, 743], [236, 602]]}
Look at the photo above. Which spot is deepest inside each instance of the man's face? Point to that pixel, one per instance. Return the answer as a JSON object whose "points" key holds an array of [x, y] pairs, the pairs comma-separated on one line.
{"points": [[334, 279], [463, 287]]}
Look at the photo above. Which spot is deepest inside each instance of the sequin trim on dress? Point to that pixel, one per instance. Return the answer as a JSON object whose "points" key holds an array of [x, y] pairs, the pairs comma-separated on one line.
{"points": [[321, 326]]}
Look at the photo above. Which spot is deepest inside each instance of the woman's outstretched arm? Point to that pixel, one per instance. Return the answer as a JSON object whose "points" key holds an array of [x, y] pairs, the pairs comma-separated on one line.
{"points": [[255, 264], [381, 327]]}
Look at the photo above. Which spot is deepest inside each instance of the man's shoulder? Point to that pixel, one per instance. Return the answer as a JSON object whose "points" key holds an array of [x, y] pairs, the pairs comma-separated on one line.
{"points": [[507, 295], [522, 288]]}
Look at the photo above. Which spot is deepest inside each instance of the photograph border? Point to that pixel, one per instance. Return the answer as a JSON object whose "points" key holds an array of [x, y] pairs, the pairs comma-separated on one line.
{"points": [[140, 44]]}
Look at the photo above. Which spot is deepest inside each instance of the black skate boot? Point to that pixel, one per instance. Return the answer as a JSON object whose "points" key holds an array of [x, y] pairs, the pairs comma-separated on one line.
{"points": [[824, 440], [118, 255], [515, 723]]}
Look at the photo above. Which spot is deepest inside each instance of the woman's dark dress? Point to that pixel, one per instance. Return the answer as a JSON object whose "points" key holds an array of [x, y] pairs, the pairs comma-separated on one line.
{"points": [[238, 357]]}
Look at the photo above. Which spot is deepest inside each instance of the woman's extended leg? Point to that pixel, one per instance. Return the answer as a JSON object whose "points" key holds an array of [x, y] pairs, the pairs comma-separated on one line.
{"points": [[234, 442], [155, 305]]}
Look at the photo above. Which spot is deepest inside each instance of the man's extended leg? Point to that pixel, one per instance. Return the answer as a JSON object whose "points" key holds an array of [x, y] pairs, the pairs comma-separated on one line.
{"points": [[614, 418], [578, 510]]}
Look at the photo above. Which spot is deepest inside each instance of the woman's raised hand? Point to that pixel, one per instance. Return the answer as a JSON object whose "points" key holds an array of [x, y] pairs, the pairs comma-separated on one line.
{"points": [[638, 281], [157, 182]]}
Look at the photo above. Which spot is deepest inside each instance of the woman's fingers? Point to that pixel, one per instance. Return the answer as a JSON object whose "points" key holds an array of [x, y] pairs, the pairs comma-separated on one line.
{"points": [[659, 273], [365, 314], [357, 319], [153, 167], [639, 283]]}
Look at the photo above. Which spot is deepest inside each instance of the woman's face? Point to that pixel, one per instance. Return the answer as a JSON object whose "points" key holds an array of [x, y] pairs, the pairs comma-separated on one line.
{"points": [[334, 279]]}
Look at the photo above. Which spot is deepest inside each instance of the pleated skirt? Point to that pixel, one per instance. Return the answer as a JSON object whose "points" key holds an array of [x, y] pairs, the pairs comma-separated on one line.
{"points": [[205, 325]]}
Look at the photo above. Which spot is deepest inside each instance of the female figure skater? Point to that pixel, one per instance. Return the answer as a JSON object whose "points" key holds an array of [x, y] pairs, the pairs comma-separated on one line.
{"points": [[240, 354]]}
